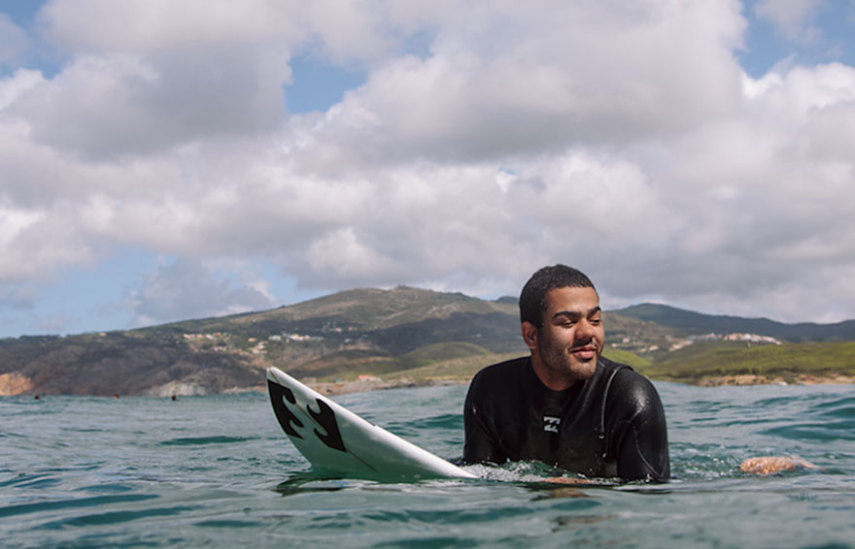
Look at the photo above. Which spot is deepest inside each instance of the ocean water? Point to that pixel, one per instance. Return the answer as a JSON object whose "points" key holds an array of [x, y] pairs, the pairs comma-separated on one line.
{"points": [[217, 471]]}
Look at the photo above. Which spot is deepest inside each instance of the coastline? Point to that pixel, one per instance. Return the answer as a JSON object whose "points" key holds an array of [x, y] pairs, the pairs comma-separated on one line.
{"points": [[357, 386], [332, 388], [791, 379]]}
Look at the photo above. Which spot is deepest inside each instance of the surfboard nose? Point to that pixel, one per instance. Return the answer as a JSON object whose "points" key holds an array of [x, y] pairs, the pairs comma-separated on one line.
{"points": [[333, 438]]}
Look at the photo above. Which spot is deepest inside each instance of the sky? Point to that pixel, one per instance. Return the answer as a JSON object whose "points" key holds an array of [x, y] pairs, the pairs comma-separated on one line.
{"points": [[162, 161]]}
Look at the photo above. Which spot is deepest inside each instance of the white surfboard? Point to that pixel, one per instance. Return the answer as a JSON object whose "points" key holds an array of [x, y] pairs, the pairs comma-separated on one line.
{"points": [[338, 441]]}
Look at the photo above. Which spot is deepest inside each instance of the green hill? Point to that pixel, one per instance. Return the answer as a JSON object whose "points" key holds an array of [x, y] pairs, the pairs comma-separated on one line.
{"points": [[692, 323], [400, 335], [787, 362], [362, 331]]}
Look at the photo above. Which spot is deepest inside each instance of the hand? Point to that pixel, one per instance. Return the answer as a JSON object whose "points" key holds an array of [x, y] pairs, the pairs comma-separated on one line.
{"points": [[766, 465], [567, 480]]}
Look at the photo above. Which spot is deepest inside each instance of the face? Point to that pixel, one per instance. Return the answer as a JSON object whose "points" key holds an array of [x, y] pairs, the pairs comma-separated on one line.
{"points": [[566, 348]]}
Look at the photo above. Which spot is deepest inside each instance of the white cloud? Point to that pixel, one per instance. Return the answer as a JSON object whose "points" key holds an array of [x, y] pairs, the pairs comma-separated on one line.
{"points": [[621, 137], [109, 105], [610, 80], [17, 298], [164, 28], [14, 86], [189, 285], [13, 41], [794, 18], [144, 76]]}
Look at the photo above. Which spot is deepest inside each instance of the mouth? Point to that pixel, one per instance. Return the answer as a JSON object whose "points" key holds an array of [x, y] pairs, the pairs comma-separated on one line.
{"points": [[587, 352]]}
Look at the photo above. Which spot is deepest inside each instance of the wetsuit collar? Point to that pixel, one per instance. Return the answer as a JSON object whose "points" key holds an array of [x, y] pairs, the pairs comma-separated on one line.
{"points": [[548, 393]]}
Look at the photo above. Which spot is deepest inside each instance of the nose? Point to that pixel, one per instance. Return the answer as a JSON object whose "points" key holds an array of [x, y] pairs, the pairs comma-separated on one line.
{"points": [[584, 330]]}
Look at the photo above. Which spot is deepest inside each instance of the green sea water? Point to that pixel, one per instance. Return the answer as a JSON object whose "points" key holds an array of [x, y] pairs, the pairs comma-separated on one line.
{"points": [[218, 472]]}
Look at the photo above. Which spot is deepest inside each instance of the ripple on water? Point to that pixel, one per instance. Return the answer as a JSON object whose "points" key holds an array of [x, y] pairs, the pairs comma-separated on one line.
{"points": [[66, 504], [201, 441]]}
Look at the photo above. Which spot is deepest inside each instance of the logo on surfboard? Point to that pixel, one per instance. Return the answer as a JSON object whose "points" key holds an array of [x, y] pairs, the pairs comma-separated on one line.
{"points": [[324, 417]]}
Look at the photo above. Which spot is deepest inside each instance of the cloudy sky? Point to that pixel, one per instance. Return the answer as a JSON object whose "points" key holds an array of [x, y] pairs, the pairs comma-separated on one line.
{"points": [[164, 160]]}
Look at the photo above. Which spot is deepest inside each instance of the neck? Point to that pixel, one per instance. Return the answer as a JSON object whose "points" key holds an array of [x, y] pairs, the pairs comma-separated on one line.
{"points": [[553, 381]]}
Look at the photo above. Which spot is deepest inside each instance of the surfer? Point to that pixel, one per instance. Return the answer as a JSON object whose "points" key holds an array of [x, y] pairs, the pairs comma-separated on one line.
{"points": [[565, 404]]}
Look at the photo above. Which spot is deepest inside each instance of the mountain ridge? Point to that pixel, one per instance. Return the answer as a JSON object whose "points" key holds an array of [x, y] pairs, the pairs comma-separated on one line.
{"points": [[401, 333], [695, 323]]}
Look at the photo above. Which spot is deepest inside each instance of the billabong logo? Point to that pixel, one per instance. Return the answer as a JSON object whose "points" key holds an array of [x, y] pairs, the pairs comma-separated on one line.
{"points": [[551, 423]]}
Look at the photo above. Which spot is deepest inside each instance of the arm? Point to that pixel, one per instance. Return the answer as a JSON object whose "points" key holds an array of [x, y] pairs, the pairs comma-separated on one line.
{"points": [[642, 448], [480, 443]]}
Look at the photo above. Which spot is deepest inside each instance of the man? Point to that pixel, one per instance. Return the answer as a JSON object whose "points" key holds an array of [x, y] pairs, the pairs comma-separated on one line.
{"points": [[566, 405]]}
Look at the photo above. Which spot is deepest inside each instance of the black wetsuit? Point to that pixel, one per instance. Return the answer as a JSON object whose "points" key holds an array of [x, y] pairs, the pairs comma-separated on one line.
{"points": [[611, 425]]}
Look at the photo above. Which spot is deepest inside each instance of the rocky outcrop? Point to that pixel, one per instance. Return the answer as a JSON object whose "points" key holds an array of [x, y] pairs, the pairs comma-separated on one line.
{"points": [[15, 384]]}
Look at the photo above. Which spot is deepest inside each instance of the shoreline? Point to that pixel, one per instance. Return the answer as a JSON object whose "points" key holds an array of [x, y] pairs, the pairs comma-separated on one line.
{"points": [[737, 380], [360, 386], [752, 379], [333, 388]]}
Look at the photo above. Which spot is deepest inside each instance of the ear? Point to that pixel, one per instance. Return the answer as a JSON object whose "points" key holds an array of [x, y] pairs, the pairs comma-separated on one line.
{"points": [[529, 335]]}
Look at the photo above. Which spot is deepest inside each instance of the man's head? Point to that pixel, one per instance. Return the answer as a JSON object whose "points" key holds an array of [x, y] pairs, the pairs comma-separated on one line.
{"points": [[533, 299], [562, 325]]}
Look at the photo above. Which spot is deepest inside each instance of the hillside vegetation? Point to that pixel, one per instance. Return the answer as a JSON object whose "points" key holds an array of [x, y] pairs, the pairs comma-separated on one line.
{"points": [[787, 362], [372, 338], [692, 323]]}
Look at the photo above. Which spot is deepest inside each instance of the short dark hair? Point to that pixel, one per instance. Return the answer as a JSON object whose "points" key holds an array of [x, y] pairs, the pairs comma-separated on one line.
{"points": [[533, 296]]}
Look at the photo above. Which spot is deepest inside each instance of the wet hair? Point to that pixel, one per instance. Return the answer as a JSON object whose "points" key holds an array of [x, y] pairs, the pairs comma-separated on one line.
{"points": [[533, 296]]}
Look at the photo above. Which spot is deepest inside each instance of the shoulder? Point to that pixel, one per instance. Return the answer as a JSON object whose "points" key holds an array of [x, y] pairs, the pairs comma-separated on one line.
{"points": [[502, 373], [630, 388]]}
